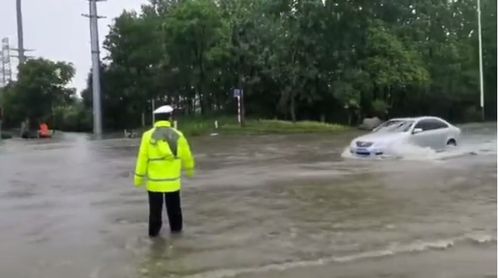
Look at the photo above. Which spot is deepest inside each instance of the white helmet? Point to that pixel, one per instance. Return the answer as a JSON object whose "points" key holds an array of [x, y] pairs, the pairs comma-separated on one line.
{"points": [[165, 109]]}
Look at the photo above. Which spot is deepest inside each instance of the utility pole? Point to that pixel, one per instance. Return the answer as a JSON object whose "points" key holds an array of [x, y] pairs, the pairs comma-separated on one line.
{"points": [[481, 78], [20, 36], [94, 37]]}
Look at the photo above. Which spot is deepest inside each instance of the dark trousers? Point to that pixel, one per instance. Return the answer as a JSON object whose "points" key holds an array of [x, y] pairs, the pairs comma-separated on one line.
{"points": [[173, 208]]}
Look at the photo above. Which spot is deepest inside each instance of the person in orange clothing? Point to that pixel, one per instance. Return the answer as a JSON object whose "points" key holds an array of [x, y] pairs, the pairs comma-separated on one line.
{"points": [[44, 132]]}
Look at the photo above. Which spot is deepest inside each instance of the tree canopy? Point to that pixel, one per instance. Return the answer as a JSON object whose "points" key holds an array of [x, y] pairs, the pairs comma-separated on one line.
{"points": [[302, 59], [39, 90], [333, 60]]}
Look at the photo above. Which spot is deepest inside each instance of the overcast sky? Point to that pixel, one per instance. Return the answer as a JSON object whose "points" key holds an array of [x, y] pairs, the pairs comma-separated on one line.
{"points": [[56, 30]]}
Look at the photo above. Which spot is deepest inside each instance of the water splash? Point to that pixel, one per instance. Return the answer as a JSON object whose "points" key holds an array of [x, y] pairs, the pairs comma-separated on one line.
{"points": [[469, 146]]}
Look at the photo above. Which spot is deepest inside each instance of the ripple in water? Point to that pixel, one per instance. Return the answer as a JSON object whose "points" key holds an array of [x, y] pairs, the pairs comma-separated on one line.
{"points": [[392, 250]]}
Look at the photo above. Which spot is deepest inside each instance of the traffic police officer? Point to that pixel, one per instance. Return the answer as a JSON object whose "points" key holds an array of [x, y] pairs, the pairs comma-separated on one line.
{"points": [[164, 153]]}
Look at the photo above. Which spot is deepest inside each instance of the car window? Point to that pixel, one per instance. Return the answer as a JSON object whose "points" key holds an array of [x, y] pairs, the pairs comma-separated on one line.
{"points": [[437, 124], [388, 123], [431, 124], [394, 126], [423, 124]]}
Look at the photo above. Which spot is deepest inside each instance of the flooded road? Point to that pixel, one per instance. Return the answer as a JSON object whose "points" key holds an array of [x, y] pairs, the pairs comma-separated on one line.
{"points": [[261, 206]]}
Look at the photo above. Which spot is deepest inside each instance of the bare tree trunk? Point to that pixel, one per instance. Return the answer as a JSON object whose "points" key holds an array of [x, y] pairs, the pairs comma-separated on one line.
{"points": [[293, 108]]}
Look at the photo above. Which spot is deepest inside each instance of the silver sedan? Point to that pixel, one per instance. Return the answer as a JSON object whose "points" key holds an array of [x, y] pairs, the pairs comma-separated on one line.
{"points": [[426, 132]]}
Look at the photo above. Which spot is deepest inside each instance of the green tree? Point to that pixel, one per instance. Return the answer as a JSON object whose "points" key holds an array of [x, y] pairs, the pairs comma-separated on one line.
{"points": [[195, 31], [390, 64], [41, 87], [297, 59]]}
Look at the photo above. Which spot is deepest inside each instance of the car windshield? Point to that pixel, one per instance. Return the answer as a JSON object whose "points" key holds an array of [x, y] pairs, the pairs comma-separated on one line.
{"points": [[394, 126]]}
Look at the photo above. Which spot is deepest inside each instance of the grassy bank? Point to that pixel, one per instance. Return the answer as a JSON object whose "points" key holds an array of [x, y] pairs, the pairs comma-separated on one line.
{"points": [[196, 126], [205, 126]]}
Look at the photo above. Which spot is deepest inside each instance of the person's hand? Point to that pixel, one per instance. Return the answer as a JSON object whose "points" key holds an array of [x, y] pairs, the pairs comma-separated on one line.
{"points": [[138, 181], [190, 173]]}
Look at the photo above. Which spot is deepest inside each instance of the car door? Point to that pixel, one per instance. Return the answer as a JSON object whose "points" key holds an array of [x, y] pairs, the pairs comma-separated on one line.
{"points": [[433, 134], [422, 138], [440, 134]]}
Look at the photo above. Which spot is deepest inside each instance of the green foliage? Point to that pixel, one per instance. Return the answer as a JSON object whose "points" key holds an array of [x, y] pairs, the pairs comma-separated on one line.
{"points": [[380, 108], [295, 60], [273, 126], [39, 90], [194, 126], [299, 59], [389, 62], [72, 118]]}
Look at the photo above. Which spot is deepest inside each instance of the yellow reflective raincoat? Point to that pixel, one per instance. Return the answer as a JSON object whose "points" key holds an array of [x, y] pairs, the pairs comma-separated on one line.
{"points": [[164, 153]]}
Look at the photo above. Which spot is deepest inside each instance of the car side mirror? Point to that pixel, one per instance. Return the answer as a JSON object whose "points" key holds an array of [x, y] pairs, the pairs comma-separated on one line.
{"points": [[417, 131]]}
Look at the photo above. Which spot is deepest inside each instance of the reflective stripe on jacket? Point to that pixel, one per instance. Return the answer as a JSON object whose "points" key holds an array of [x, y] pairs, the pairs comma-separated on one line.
{"points": [[164, 152]]}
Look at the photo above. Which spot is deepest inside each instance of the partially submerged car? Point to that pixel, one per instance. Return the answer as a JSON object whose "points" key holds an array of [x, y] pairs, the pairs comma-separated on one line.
{"points": [[390, 136]]}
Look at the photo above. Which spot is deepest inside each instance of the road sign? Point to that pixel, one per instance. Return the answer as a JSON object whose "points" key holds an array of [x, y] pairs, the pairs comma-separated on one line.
{"points": [[238, 92], [239, 95]]}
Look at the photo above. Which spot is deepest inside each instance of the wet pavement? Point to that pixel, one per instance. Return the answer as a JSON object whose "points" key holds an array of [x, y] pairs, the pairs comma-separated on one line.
{"points": [[260, 206]]}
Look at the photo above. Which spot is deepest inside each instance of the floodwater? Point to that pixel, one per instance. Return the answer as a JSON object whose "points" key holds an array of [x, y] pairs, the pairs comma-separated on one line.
{"points": [[260, 206]]}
